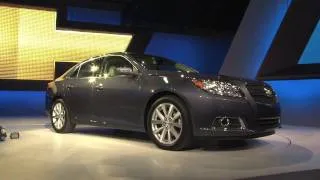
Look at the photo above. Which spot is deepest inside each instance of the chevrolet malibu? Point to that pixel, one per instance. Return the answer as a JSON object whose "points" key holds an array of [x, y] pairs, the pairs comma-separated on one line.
{"points": [[171, 102]]}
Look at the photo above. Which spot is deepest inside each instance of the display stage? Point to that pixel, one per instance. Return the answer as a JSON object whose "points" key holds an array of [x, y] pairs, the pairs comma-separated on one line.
{"points": [[99, 153]]}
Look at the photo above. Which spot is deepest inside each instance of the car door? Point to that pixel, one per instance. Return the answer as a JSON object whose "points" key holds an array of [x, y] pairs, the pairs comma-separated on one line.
{"points": [[79, 89], [116, 96]]}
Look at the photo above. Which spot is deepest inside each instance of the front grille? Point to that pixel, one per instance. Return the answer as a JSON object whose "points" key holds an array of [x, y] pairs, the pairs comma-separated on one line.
{"points": [[269, 122], [258, 93]]}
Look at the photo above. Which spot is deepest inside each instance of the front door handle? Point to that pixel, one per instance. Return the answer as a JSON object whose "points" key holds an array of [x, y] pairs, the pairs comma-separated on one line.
{"points": [[99, 87]]}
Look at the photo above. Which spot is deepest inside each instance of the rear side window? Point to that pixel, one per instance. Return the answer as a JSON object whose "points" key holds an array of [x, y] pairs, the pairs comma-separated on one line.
{"points": [[114, 63], [90, 69]]}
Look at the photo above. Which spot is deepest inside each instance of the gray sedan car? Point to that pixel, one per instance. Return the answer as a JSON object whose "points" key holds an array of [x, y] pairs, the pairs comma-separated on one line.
{"points": [[170, 101]]}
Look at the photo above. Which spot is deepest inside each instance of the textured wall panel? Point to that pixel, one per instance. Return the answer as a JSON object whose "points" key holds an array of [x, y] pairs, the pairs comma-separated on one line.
{"points": [[9, 42], [30, 44]]}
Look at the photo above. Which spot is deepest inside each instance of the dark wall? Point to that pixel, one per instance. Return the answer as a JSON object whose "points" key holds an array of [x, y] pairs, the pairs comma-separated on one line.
{"points": [[290, 42], [300, 101], [24, 85], [264, 36], [78, 14], [61, 67], [311, 53], [22, 103], [254, 37], [206, 54], [139, 42]]}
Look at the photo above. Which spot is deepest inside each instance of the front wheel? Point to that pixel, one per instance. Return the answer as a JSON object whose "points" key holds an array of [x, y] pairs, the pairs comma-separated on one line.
{"points": [[168, 124], [60, 118]]}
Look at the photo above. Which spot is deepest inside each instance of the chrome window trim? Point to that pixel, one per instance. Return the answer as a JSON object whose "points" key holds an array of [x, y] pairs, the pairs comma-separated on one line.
{"points": [[135, 66]]}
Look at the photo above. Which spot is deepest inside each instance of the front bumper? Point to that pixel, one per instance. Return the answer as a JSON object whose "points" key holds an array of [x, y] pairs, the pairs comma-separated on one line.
{"points": [[257, 119], [238, 130], [235, 135]]}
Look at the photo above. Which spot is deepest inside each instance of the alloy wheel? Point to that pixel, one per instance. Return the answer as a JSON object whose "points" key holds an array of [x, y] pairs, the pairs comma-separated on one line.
{"points": [[58, 116], [166, 123]]}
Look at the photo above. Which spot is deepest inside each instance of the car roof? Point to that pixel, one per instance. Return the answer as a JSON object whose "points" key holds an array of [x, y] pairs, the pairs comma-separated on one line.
{"points": [[116, 53], [119, 54], [127, 53]]}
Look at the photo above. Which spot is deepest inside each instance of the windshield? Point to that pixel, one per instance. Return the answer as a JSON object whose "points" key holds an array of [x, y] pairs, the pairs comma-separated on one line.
{"points": [[162, 64]]}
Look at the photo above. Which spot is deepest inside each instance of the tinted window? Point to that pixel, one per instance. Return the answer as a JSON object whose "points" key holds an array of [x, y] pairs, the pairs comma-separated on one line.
{"points": [[74, 73], [113, 64], [162, 64], [90, 69], [98, 66]]}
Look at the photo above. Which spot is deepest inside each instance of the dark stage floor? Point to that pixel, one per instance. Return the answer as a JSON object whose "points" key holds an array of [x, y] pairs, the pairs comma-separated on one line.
{"points": [[98, 153]]}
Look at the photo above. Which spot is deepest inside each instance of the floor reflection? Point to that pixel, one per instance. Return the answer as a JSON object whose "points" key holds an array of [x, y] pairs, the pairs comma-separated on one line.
{"points": [[207, 145], [115, 133], [99, 153]]}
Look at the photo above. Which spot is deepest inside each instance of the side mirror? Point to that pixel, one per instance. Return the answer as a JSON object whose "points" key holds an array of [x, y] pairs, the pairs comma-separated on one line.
{"points": [[126, 71]]}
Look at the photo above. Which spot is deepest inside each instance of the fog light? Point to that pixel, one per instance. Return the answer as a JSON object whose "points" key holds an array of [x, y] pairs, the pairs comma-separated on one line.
{"points": [[225, 122], [228, 123]]}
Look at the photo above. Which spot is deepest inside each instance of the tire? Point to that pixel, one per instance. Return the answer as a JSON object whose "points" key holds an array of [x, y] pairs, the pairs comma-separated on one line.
{"points": [[180, 138], [67, 126]]}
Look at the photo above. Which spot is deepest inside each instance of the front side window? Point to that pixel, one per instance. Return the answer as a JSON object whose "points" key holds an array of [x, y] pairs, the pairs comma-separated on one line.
{"points": [[74, 73], [90, 69], [115, 64]]}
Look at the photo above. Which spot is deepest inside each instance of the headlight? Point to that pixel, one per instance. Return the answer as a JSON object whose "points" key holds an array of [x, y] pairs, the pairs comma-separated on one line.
{"points": [[219, 87]]}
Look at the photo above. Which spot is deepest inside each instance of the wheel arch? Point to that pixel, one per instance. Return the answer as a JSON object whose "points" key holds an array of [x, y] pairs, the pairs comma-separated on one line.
{"points": [[53, 99], [56, 98], [158, 95]]}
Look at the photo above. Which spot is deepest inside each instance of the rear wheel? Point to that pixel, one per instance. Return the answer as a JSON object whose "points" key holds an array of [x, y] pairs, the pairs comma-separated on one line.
{"points": [[168, 124], [60, 120]]}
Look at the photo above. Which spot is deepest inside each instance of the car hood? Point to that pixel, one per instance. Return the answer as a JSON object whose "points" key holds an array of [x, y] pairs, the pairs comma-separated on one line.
{"points": [[236, 80]]}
